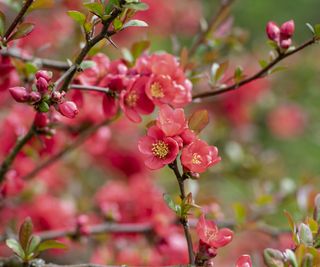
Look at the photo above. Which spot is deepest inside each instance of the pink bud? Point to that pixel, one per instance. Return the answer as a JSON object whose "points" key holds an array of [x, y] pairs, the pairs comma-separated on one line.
{"points": [[34, 97], [57, 96], [68, 109], [41, 120], [20, 94], [287, 29], [285, 43], [44, 74], [273, 31], [42, 85]]}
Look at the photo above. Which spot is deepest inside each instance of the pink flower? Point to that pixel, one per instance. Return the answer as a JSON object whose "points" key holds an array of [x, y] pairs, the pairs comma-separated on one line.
{"points": [[171, 121], [158, 149], [68, 109], [198, 156], [160, 89], [209, 233], [47, 75], [134, 101], [273, 31], [20, 94], [287, 29], [244, 261]]}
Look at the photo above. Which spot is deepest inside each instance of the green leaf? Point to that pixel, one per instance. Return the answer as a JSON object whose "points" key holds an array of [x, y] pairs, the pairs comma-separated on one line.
{"points": [[277, 69], [50, 244], [198, 120], [305, 235], [15, 247], [273, 258], [25, 233], [30, 68], [111, 4], [41, 4], [135, 23], [77, 16], [238, 74], [137, 6], [263, 63], [139, 47], [87, 64], [117, 24], [2, 23], [44, 107], [310, 27], [291, 221], [291, 257], [317, 30], [23, 30], [307, 260], [33, 245], [170, 202], [95, 8]]}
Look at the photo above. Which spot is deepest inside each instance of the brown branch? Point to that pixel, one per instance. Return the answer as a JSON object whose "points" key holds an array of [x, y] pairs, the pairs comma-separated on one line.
{"points": [[184, 219], [14, 152], [91, 88], [17, 20], [215, 22], [262, 73], [41, 62], [83, 136]]}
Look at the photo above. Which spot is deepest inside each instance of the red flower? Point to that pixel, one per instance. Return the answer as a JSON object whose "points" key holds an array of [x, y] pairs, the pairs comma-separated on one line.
{"points": [[198, 156], [158, 149], [244, 261], [171, 121], [160, 89], [134, 101], [209, 233]]}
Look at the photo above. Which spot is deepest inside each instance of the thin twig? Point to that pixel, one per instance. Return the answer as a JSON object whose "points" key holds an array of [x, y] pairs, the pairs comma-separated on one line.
{"points": [[14, 152], [17, 20], [41, 62], [260, 74], [215, 22], [83, 136], [184, 219], [90, 88]]}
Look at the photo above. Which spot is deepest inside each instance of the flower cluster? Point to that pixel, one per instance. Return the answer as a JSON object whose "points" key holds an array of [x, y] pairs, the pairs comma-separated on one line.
{"points": [[169, 135], [42, 95], [154, 80], [281, 35]]}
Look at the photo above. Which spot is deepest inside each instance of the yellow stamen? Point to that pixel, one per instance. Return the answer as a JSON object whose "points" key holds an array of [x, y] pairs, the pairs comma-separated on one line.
{"points": [[196, 158], [156, 90], [160, 149], [132, 98]]}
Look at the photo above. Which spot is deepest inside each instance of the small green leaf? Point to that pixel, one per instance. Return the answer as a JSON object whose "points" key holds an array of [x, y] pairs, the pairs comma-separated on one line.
{"points": [[135, 23], [30, 68], [77, 16], [44, 107], [307, 260], [33, 244], [263, 63], [117, 24], [87, 64], [138, 6], [317, 30], [305, 235], [277, 69], [139, 47], [198, 120], [273, 258], [95, 8], [23, 30], [238, 74], [170, 202], [25, 233], [111, 4], [291, 257], [310, 27], [2, 23], [50, 244], [15, 247], [291, 221], [41, 4]]}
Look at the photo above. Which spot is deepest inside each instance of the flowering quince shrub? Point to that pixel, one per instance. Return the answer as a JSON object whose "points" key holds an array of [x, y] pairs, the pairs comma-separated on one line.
{"points": [[103, 205]]}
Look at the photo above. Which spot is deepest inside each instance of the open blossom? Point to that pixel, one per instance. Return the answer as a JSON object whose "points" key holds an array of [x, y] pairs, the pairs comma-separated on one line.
{"points": [[160, 89], [198, 156], [171, 121], [209, 233], [244, 261], [134, 101], [158, 149]]}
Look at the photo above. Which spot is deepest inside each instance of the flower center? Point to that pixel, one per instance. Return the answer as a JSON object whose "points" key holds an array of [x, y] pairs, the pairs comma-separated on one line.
{"points": [[132, 98], [160, 149], [156, 90], [196, 158]]}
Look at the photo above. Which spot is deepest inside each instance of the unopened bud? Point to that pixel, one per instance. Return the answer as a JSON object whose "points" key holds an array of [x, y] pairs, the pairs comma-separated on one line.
{"points": [[68, 109], [273, 31], [42, 85], [41, 120], [286, 43], [287, 29], [19, 94], [57, 96], [47, 75], [34, 97]]}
